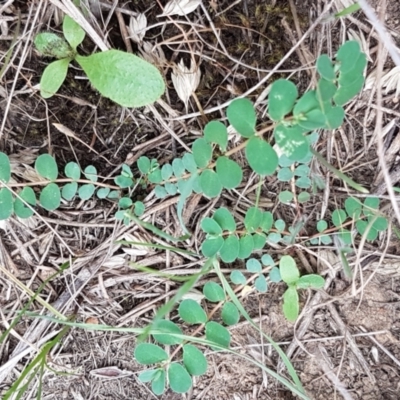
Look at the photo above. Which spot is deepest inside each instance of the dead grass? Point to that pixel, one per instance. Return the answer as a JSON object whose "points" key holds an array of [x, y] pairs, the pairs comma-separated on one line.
{"points": [[346, 342]]}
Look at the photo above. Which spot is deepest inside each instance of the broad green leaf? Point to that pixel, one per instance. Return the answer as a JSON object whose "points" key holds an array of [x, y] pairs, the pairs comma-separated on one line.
{"points": [[125, 171], [338, 217], [225, 219], [210, 183], [349, 77], [267, 221], [160, 192], [114, 194], [171, 188], [53, 77], [202, 152], [189, 162], [90, 173], [380, 224], [370, 205], [230, 249], [194, 360], [230, 314], [154, 176], [346, 93], [289, 272], [281, 99], [275, 275], [246, 246], [123, 181], [363, 227], [322, 225], [191, 312], [259, 240], [102, 193], [348, 55], [125, 78], [285, 196], [213, 292], [237, 278], [178, 378], [216, 132], [306, 103], [291, 141], [69, 191], [168, 327], [302, 170], [229, 172], [266, 259], [178, 167], [148, 375], [312, 281], [291, 304], [218, 334], [46, 167], [5, 168], [242, 116], [253, 265], [20, 209], [72, 32], [334, 117], [139, 208], [325, 67], [314, 119], [345, 236], [125, 202], [72, 170], [325, 91], [253, 219], [285, 174], [50, 197], [211, 246], [303, 197], [274, 237], [261, 284], [158, 383], [304, 182], [52, 45], [280, 225], [143, 164], [148, 353], [261, 157], [6, 204], [285, 162], [211, 226], [85, 192], [166, 171], [353, 207]]}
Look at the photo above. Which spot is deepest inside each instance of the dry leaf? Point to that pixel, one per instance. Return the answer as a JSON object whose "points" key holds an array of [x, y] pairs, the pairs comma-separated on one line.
{"points": [[153, 54], [390, 81], [137, 28], [180, 7]]}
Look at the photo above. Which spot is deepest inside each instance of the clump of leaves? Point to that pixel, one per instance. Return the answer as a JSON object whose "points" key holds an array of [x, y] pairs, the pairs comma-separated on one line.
{"points": [[122, 77]]}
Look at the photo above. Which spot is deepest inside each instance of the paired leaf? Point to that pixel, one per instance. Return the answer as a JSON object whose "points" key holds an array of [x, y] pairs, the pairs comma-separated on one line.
{"points": [[148, 353], [281, 99], [261, 157], [242, 116]]}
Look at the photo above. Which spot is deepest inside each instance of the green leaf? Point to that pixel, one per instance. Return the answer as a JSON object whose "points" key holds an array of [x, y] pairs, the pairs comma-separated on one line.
{"points": [[285, 174], [191, 312], [148, 353], [158, 383], [171, 188], [334, 117], [325, 67], [229, 172], [148, 375], [306, 103], [253, 265], [5, 168], [285, 196], [275, 275], [178, 167], [211, 246], [259, 240], [261, 284], [280, 225], [218, 334], [267, 221], [363, 227], [46, 167], [274, 237], [322, 225], [69, 191], [380, 224], [211, 226], [346, 93], [72, 170], [123, 181], [230, 314], [338, 217], [53, 77], [178, 378], [291, 304], [90, 173], [242, 116], [325, 91], [72, 32], [253, 219], [216, 132], [20, 209], [230, 249], [189, 162], [291, 141], [266, 259], [246, 246], [348, 55], [125, 171], [125, 202], [353, 207], [358, 70], [85, 192], [210, 183], [155, 176], [194, 360], [160, 192], [225, 219], [139, 208], [303, 182], [289, 272], [166, 171], [302, 170], [168, 327], [261, 157], [125, 78], [282, 96], [6, 204], [50, 197], [237, 278], [202, 152], [52, 45], [371, 205], [114, 194], [312, 281], [303, 197], [213, 292], [102, 193], [144, 165]]}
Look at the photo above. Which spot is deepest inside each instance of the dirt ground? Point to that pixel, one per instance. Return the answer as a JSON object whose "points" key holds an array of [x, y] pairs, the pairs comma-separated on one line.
{"points": [[347, 340]]}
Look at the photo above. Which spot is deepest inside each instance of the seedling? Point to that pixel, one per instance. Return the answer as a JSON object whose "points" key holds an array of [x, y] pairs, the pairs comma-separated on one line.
{"points": [[122, 77]]}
